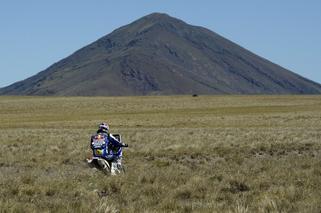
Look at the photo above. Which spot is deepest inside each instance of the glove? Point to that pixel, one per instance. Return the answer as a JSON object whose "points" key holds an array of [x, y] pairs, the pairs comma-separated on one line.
{"points": [[125, 145]]}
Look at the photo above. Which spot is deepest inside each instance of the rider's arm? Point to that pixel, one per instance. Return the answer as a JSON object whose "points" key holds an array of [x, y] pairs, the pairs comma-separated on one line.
{"points": [[91, 141], [115, 142]]}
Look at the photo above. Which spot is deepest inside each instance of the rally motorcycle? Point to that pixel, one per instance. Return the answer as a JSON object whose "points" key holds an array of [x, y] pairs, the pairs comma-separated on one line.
{"points": [[100, 160]]}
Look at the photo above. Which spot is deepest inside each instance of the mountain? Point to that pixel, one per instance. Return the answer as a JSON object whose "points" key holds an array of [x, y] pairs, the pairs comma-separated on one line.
{"points": [[159, 54]]}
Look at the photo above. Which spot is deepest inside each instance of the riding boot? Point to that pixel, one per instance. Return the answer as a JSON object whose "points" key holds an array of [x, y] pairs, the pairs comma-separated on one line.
{"points": [[113, 168]]}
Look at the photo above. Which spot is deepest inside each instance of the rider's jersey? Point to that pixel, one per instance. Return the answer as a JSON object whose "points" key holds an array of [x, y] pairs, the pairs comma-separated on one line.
{"points": [[106, 146]]}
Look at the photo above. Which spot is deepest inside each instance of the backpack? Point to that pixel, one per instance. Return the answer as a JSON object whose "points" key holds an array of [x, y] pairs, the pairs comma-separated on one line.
{"points": [[98, 144]]}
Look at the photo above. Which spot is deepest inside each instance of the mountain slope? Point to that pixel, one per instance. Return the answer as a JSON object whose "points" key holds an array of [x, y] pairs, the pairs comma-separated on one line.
{"points": [[158, 54]]}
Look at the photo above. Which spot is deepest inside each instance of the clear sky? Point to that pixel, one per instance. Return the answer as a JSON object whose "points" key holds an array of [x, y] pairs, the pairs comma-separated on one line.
{"points": [[36, 33]]}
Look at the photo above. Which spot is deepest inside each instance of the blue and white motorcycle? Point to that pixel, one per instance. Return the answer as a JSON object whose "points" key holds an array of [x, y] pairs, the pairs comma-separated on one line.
{"points": [[107, 156]]}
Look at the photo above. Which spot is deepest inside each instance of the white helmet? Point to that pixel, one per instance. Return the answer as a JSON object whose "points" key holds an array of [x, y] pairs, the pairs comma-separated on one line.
{"points": [[104, 127]]}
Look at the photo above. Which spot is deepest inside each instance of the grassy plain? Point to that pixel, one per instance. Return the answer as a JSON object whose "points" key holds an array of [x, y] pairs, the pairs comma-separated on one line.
{"points": [[186, 154]]}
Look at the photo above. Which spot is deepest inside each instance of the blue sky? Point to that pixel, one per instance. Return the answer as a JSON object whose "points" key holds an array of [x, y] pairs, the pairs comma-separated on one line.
{"points": [[36, 33]]}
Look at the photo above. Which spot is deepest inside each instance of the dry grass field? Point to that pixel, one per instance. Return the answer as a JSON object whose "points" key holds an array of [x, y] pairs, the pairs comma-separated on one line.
{"points": [[186, 154]]}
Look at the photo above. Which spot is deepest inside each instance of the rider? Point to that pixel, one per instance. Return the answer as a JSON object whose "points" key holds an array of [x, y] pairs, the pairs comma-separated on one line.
{"points": [[112, 147]]}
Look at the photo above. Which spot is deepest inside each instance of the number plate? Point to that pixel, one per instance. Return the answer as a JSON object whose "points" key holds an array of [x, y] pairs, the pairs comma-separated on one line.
{"points": [[99, 152]]}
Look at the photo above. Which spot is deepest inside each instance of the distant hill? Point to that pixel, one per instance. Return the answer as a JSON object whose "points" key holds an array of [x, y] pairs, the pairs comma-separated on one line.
{"points": [[159, 54]]}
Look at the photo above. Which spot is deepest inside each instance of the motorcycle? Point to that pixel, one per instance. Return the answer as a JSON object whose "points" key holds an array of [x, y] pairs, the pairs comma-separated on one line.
{"points": [[103, 162]]}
